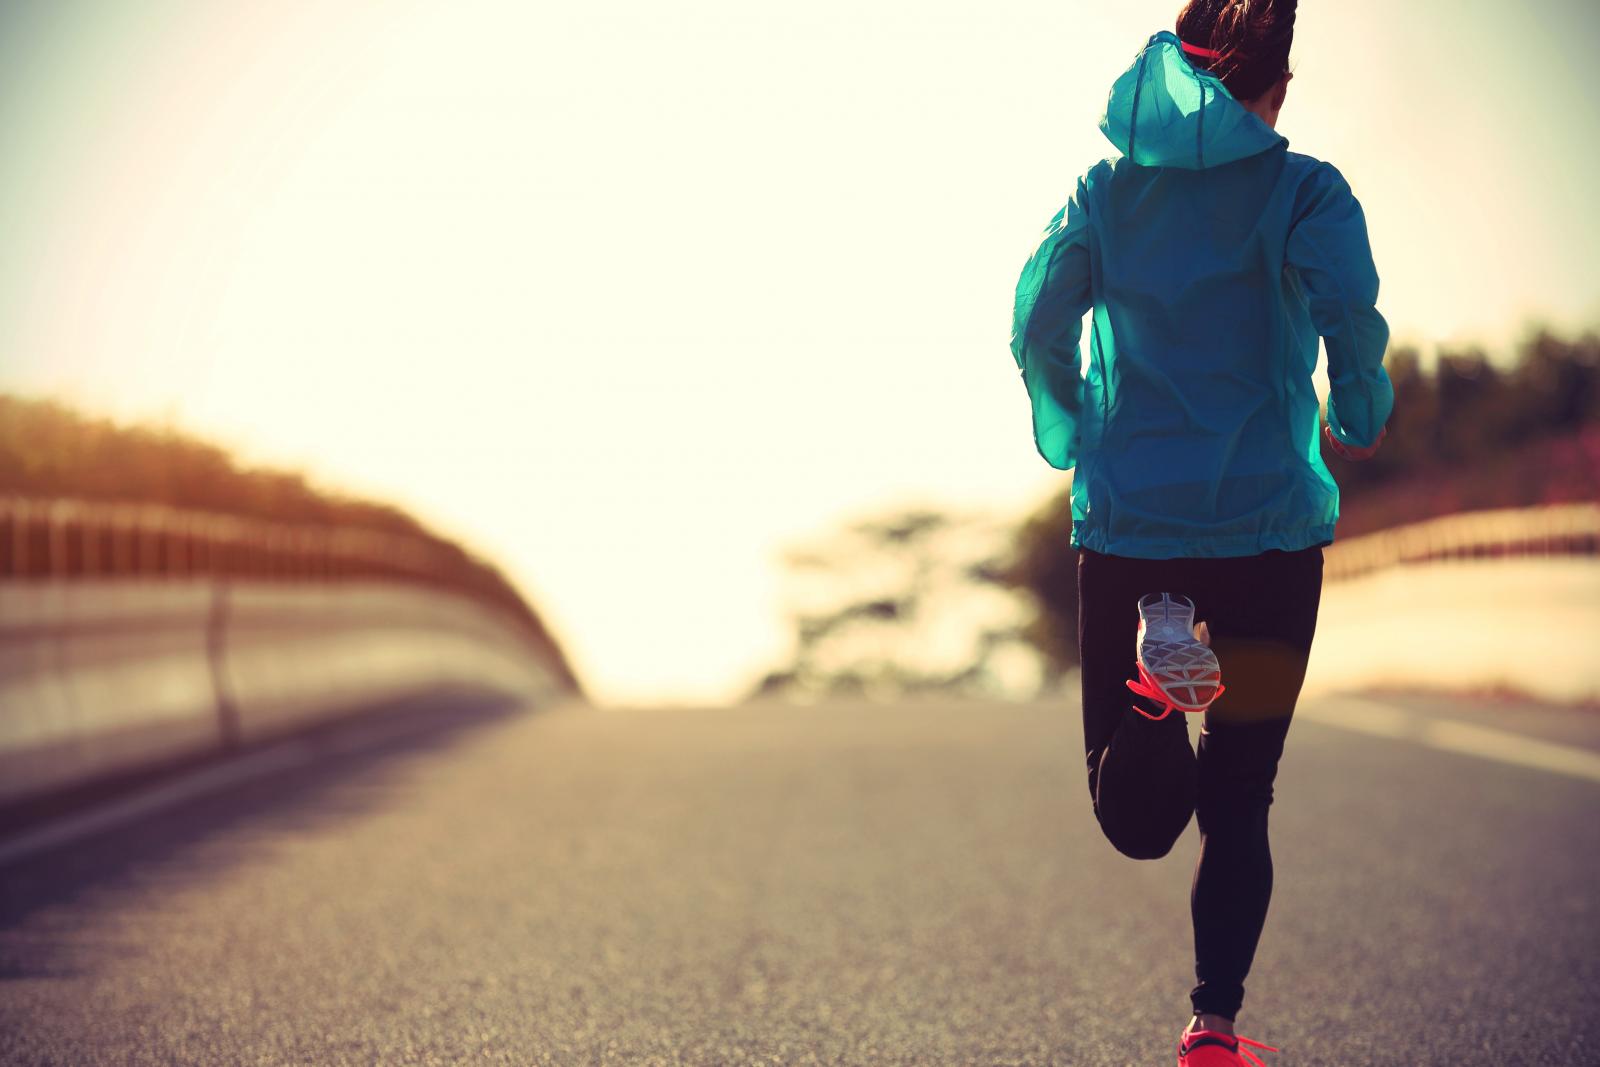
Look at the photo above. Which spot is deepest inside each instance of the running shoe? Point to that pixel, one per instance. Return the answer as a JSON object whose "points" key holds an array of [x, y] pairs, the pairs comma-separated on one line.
{"points": [[1176, 668], [1207, 1048]]}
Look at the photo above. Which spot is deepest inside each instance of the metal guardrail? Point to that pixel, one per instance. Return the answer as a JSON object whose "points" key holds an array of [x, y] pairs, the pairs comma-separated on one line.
{"points": [[74, 538], [68, 539], [1547, 530]]}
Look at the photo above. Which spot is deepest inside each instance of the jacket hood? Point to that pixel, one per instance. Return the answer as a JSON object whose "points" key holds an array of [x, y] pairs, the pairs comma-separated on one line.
{"points": [[1163, 112]]}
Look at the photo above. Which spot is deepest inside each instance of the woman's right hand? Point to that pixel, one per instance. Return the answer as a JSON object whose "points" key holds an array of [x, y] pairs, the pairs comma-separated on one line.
{"points": [[1354, 455]]}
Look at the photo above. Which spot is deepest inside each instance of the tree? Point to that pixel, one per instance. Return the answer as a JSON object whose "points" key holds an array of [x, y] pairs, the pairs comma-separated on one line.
{"points": [[909, 602], [1465, 434]]}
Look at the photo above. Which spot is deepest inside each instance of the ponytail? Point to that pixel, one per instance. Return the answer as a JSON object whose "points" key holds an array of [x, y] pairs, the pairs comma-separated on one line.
{"points": [[1250, 38]]}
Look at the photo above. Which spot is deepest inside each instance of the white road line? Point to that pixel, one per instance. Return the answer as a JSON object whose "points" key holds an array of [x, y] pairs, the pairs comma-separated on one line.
{"points": [[1449, 735], [157, 798], [356, 736], [1362, 715]]}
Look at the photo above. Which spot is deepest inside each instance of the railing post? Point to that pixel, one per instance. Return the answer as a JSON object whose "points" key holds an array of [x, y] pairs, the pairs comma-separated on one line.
{"points": [[19, 539], [228, 728]]}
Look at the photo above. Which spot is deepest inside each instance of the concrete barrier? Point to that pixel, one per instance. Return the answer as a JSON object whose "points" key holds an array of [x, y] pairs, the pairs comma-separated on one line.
{"points": [[294, 656], [100, 678], [1529, 626]]}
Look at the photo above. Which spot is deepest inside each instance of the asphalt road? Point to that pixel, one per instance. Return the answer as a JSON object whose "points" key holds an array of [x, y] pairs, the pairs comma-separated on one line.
{"points": [[841, 884]]}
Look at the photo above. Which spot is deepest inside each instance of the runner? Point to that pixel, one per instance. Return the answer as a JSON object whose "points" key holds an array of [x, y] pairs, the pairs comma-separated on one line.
{"points": [[1212, 258]]}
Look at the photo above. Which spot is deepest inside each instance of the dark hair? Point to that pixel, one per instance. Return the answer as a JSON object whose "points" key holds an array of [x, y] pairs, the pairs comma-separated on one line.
{"points": [[1253, 36]]}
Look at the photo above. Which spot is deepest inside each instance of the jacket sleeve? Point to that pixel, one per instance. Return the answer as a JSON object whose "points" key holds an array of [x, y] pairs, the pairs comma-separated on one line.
{"points": [[1053, 294], [1328, 247]]}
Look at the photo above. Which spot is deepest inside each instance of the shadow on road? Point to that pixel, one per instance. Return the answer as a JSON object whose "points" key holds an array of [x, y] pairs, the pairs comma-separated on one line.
{"points": [[342, 775]]}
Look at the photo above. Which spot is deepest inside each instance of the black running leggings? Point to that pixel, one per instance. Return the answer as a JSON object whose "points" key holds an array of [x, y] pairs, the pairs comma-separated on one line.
{"points": [[1146, 780]]}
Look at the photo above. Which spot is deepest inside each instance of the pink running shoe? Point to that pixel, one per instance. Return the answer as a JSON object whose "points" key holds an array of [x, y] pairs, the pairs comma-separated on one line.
{"points": [[1175, 669], [1207, 1048]]}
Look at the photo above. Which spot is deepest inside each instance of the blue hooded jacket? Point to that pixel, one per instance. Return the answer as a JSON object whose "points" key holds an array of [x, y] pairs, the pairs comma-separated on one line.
{"points": [[1213, 258]]}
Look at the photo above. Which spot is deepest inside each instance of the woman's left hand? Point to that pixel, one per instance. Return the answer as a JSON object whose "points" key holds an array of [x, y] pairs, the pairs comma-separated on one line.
{"points": [[1354, 455]]}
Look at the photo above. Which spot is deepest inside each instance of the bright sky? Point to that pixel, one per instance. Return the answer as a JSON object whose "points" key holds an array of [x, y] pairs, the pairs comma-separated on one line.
{"points": [[629, 295]]}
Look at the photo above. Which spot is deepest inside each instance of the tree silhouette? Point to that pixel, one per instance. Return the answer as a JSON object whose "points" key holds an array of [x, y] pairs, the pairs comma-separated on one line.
{"points": [[1465, 435], [910, 602]]}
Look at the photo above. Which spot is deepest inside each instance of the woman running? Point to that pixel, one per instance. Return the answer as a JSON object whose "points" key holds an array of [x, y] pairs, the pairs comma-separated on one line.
{"points": [[1213, 258]]}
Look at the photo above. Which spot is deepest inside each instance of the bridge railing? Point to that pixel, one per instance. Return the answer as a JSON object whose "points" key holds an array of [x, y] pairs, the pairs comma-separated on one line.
{"points": [[134, 637], [1547, 530], [70, 539]]}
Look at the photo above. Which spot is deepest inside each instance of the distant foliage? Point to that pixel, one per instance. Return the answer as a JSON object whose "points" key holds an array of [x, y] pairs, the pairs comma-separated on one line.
{"points": [[48, 451], [1465, 435], [903, 604]]}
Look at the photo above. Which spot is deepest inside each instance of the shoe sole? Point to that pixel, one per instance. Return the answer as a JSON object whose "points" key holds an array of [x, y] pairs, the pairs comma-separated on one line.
{"points": [[1169, 667]]}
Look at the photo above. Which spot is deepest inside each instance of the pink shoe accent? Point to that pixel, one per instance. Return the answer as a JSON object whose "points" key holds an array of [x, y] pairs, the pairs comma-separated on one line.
{"points": [[1146, 687], [1176, 669], [1207, 1048]]}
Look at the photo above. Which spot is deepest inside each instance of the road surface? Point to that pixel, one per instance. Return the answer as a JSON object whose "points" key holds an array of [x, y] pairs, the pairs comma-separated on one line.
{"points": [[851, 884]]}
